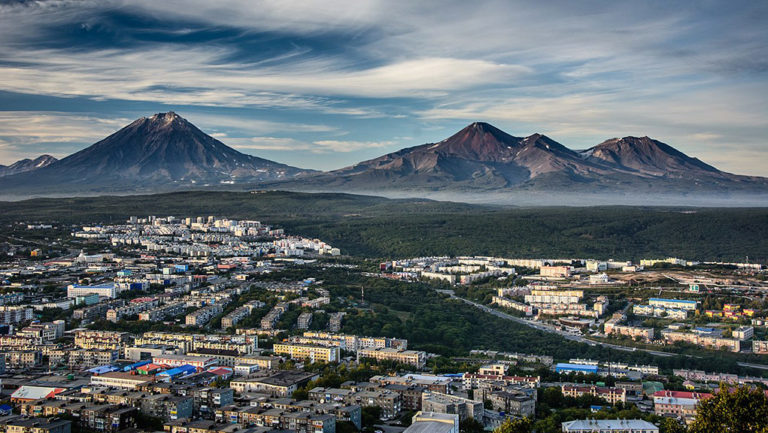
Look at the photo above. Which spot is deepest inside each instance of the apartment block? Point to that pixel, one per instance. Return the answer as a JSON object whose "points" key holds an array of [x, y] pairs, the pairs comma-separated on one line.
{"points": [[612, 395], [450, 404], [306, 351], [412, 357]]}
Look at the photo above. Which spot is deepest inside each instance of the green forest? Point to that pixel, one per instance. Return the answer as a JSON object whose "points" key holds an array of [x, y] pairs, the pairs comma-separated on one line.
{"points": [[383, 228]]}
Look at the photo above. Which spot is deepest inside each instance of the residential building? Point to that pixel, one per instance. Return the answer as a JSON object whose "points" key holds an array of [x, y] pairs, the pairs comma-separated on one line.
{"points": [[120, 380], [760, 347], [609, 426], [611, 395], [168, 407], [630, 331], [431, 422], [451, 404], [555, 271], [12, 314], [203, 315], [681, 304], [513, 402], [199, 362], [304, 320], [100, 340], [275, 383], [36, 425], [712, 341], [680, 404], [744, 332], [306, 351], [108, 290], [412, 357]]}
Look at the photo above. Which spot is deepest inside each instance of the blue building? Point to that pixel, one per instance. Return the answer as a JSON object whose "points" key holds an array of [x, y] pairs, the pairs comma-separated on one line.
{"points": [[184, 370], [564, 367]]}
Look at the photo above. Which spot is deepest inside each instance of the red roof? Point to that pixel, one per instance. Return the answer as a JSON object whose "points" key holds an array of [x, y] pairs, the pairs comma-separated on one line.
{"points": [[149, 367], [220, 371], [682, 394]]}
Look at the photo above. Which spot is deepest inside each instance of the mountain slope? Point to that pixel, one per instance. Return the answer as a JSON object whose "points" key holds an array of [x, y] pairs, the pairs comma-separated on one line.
{"points": [[482, 157], [163, 151], [478, 156], [27, 164], [647, 156]]}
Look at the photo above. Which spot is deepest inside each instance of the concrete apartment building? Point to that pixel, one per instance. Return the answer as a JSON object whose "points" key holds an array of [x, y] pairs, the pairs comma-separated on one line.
{"points": [[11, 314], [275, 383], [760, 346], [513, 402], [100, 340], [630, 331], [681, 304], [450, 404], [711, 341], [555, 271], [307, 351], [679, 404], [611, 395], [412, 357], [609, 426], [304, 320], [120, 380], [431, 422], [203, 315]]}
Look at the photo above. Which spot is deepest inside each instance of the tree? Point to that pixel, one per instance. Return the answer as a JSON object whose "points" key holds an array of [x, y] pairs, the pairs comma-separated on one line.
{"points": [[470, 425], [518, 425], [742, 410], [670, 425]]}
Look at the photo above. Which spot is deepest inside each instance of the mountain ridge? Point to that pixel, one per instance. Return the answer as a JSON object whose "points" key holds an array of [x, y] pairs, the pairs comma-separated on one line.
{"points": [[27, 164], [481, 157], [165, 152], [160, 152]]}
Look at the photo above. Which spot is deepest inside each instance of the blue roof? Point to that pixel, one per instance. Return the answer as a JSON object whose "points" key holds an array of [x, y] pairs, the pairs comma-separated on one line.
{"points": [[95, 286], [136, 365], [577, 367], [102, 369], [684, 301], [184, 369]]}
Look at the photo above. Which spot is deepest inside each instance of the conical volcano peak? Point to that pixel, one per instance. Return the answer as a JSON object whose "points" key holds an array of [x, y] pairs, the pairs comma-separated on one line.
{"points": [[160, 151], [166, 118]]}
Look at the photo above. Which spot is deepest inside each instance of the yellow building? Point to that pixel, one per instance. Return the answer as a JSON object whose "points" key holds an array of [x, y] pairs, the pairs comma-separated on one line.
{"points": [[412, 357], [307, 351]]}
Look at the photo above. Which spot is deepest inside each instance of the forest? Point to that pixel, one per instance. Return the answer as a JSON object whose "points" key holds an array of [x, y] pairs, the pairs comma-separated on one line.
{"points": [[376, 227]]}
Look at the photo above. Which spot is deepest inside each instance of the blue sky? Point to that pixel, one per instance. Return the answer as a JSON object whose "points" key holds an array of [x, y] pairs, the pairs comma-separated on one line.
{"points": [[325, 84]]}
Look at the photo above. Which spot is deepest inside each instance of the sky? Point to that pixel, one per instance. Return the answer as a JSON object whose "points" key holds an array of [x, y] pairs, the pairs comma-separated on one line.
{"points": [[325, 84]]}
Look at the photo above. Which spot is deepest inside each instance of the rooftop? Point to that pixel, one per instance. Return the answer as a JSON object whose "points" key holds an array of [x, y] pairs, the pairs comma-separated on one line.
{"points": [[591, 425]]}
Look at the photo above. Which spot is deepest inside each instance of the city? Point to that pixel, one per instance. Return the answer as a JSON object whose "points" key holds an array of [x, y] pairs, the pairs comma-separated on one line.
{"points": [[383, 216], [208, 324]]}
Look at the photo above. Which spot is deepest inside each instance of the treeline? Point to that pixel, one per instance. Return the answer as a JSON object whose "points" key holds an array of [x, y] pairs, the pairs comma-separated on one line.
{"points": [[377, 227]]}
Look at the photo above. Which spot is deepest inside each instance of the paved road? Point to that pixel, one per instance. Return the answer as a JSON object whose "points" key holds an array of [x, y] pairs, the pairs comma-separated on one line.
{"points": [[759, 366], [551, 329]]}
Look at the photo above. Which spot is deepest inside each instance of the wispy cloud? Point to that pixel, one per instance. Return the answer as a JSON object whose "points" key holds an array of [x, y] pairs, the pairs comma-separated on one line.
{"points": [[348, 76], [317, 147], [24, 134]]}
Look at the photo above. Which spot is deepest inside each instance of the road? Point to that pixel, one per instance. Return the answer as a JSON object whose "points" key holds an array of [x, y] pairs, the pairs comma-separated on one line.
{"points": [[758, 366], [552, 329]]}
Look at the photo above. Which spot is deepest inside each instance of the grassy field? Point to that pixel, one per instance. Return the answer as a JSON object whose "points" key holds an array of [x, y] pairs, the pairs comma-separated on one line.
{"points": [[384, 228]]}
